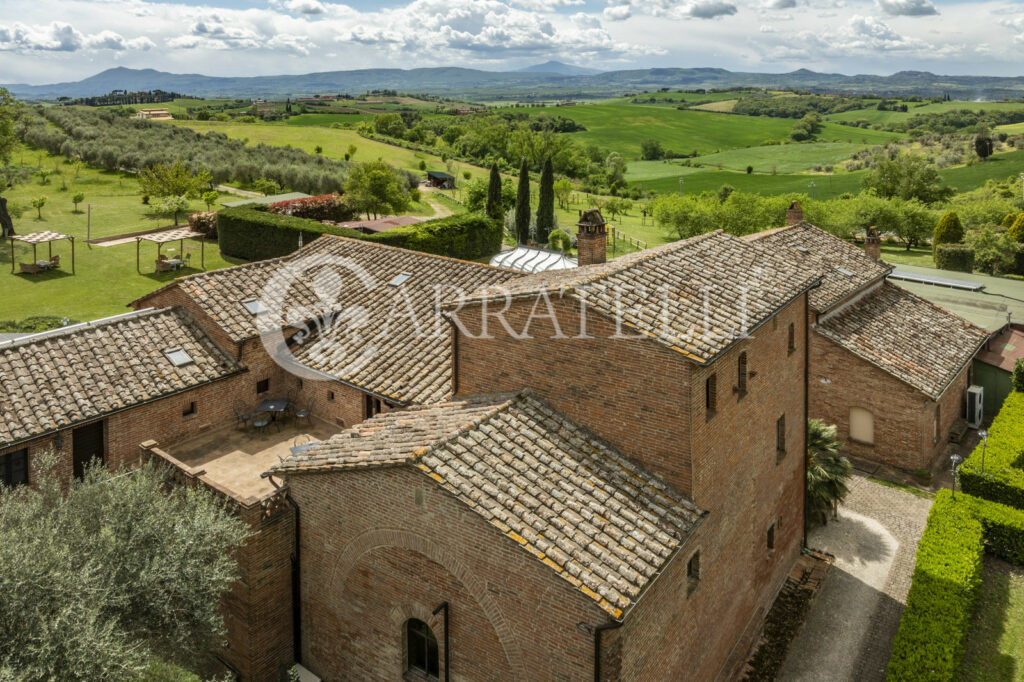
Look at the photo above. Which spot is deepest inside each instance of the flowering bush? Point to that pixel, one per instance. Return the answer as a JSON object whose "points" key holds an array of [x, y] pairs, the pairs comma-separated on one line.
{"points": [[323, 207], [206, 223]]}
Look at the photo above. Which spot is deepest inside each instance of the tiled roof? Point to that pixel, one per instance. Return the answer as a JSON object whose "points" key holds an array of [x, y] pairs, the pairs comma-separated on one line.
{"points": [[698, 295], [912, 339], [410, 360], [594, 516], [844, 267], [71, 375]]}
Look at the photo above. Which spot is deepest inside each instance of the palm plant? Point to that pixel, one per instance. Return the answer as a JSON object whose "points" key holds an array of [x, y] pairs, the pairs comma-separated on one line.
{"points": [[827, 471]]}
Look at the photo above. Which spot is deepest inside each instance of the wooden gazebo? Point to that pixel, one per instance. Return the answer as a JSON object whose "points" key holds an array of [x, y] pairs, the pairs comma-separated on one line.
{"points": [[161, 238], [35, 239]]}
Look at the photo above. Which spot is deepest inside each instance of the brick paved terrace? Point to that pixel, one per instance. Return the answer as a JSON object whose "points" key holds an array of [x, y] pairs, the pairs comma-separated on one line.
{"points": [[234, 458]]}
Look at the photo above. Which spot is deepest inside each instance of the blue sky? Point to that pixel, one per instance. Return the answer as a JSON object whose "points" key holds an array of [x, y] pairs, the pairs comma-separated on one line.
{"points": [[59, 40]]}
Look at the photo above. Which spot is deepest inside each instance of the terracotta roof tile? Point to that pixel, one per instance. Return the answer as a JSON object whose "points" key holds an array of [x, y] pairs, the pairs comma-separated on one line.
{"points": [[907, 336], [844, 267], [72, 375], [406, 365], [697, 296], [594, 516]]}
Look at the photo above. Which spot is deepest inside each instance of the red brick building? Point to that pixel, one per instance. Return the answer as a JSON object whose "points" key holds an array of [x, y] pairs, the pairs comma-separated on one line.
{"points": [[618, 496], [889, 368]]}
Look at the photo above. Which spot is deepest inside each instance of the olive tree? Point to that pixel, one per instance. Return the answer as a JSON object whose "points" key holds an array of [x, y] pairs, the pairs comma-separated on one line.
{"points": [[114, 570]]}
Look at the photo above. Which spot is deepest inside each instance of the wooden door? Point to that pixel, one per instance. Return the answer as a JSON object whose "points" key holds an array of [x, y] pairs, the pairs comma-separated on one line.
{"points": [[88, 444]]}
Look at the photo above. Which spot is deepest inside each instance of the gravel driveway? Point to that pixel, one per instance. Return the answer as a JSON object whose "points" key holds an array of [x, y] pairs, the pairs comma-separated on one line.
{"points": [[849, 631]]}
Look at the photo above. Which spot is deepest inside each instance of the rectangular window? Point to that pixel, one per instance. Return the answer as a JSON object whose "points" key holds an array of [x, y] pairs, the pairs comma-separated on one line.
{"points": [[780, 436], [14, 468], [189, 410], [711, 394], [371, 406], [741, 374], [263, 385], [330, 396], [770, 537], [792, 338], [938, 421]]}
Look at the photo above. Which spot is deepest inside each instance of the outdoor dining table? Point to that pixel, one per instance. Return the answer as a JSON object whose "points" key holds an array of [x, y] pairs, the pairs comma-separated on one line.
{"points": [[176, 263], [273, 406]]}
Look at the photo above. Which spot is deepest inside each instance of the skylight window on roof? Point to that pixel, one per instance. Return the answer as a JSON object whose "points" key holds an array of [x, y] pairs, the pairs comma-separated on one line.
{"points": [[844, 271], [255, 306], [399, 280], [178, 357]]}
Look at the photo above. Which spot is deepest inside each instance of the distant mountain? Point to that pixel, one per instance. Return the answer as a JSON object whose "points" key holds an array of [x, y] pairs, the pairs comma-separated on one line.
{"points": [[559, 68], [534, 82]]}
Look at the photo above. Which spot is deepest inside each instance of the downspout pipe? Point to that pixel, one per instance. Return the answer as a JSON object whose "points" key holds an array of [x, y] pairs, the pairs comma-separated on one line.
{"points": [[443, 606], [296, 574], [611, 625]]}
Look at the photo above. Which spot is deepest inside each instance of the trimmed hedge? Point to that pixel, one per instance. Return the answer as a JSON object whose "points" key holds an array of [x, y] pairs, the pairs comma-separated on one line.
{"points": [[253, 234], [954, 257], [1003, 478], [933, 631]]}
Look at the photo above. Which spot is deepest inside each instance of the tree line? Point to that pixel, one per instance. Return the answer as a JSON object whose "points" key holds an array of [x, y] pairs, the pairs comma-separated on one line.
{"points": [[108, 141]]}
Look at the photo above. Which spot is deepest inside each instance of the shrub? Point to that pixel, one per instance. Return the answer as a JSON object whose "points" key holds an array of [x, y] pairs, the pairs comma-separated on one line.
{"points": [[1018, 260], [954, 257], [323, 207], [1007, 220], [1016, 229], [947, 576], [949, 230], [994, 252], [1003, 478], [1018, 375], [559, 240], [206, 223], [247, 232]]}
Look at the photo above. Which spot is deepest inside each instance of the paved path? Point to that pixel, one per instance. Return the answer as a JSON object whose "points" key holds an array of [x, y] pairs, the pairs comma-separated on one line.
{"points": [[239, 192], [849, 631]]}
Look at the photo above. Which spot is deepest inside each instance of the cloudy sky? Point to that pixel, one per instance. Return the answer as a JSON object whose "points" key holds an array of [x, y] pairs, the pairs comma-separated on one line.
{"points": [[46, 41]]}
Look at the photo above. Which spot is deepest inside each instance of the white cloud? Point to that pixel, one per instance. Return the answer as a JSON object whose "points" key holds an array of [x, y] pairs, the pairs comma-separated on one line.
{"points": [[60, 36], [779, 4], [907, 8], [108, 40], [544, 5], [709, 9], [617, 13]]}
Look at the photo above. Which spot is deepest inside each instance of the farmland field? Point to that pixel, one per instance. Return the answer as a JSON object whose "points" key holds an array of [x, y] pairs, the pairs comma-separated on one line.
{"points": [[327, 119], [786, 158], [622, 127]]}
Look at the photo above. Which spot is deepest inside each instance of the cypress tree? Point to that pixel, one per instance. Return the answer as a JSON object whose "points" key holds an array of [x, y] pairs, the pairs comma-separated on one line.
{"points": [[523, 205], [546, 207], [493, 208], [949, 230]]}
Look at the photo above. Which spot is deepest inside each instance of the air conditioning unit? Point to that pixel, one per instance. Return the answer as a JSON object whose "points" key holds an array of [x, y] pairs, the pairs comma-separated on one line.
{"points": [[975, 406]]}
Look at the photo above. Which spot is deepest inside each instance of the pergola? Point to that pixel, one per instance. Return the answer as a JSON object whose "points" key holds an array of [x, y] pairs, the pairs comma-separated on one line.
{"points": [[37, 238], [179, 235]]}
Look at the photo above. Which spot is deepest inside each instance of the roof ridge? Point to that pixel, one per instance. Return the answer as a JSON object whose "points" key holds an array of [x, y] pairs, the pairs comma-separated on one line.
{"points": [[475, 422], [82, 327], [405, 250]]}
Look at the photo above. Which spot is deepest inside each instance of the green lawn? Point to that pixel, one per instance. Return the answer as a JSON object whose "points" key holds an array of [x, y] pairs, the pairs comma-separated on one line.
{"points": [[899, 255], [996, 167], [116, 203], [825, 186], [995, 641]]}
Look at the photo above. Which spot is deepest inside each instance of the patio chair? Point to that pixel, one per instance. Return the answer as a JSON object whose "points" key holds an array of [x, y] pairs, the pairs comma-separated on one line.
{"points": [[55, 261], [162, 265], [260, 422], [30, 268], [242, 414], [305, 413]]}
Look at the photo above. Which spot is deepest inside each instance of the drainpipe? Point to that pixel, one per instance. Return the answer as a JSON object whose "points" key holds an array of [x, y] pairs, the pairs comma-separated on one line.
{"points": [[296, 576], [611, 625], [443, 606]]}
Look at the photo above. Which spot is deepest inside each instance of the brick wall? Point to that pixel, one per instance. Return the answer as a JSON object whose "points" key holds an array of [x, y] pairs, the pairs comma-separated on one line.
{"points": [[632, 392], [904, 418], [385, 545], [744, 485]]}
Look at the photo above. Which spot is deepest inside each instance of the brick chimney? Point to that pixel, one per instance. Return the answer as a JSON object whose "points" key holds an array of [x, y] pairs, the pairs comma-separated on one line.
{"points": [[592, 239], [794, 214], [873, 243]]}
